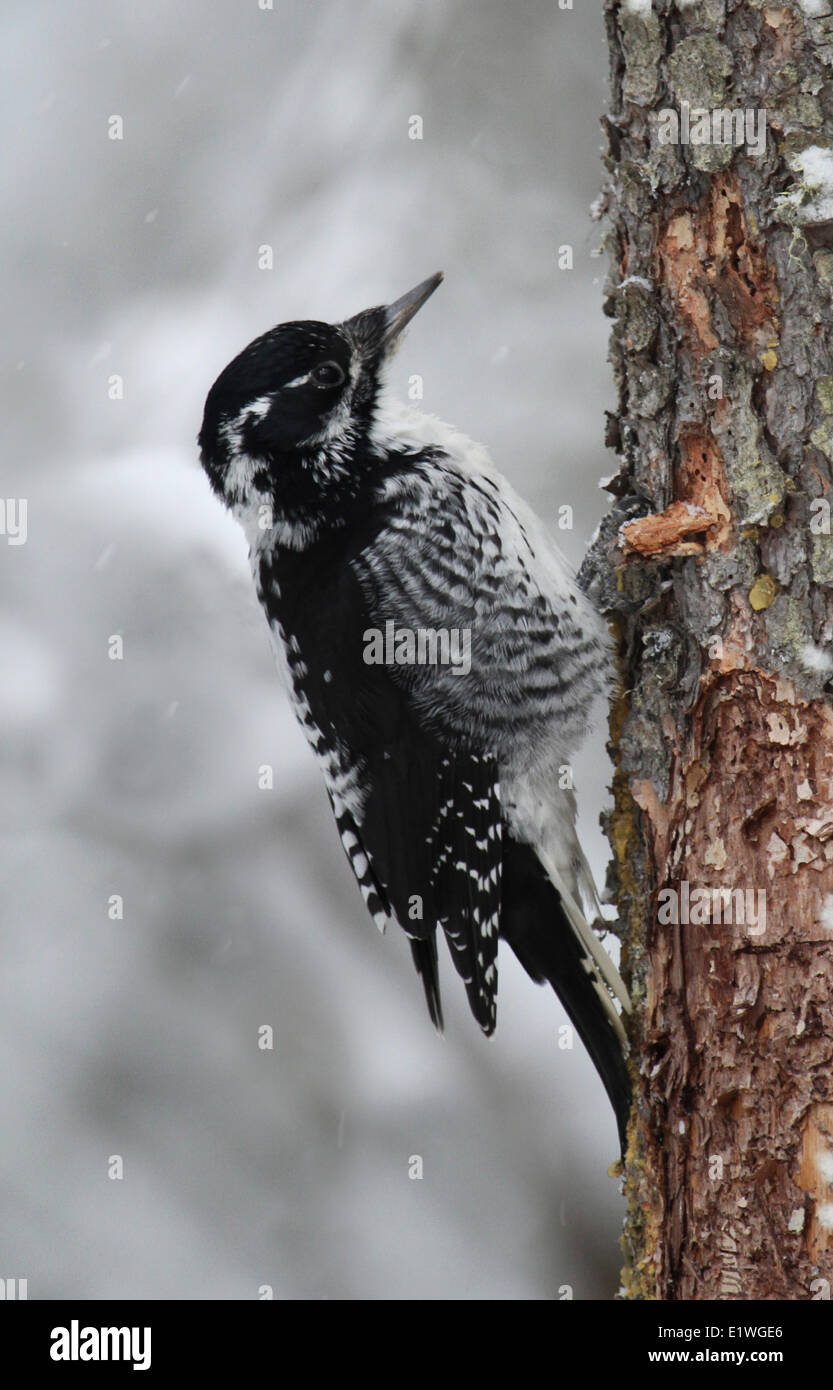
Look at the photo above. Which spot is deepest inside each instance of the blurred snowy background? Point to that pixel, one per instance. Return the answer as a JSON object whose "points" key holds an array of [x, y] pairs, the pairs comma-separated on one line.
{"points": [[138, 257]]}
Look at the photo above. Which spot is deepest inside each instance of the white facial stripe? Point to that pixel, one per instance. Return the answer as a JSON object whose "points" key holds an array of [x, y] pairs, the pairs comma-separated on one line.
{"points": [[239, 474], [299, 381], [232, 430], [337, 429]]}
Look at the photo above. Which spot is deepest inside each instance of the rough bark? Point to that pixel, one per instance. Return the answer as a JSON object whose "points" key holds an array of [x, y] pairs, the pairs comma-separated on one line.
{"points": [[721, 289]]}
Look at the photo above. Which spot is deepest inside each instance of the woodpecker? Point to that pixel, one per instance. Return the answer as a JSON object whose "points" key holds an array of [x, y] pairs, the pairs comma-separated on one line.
{"points": [[439, 655]]}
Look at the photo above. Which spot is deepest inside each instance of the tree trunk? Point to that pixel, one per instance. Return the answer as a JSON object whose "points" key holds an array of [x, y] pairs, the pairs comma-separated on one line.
{"points": [[721, 284]]}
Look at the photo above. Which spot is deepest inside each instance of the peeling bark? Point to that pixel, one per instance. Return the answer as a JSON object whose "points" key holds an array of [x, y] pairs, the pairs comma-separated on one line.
{"points": [[720, 583]]}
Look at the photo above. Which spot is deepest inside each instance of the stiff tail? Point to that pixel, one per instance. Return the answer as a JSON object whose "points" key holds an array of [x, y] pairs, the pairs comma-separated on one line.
{"points": [[539, 928], [424, 953]]}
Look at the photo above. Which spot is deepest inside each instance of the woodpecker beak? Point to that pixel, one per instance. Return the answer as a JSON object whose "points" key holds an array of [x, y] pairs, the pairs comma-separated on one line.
{"points": [[399, 314]]}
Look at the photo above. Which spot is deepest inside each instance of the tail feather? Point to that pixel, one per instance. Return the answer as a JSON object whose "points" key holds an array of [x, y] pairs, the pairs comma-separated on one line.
{"points": [[424, 952], [540, 931]]}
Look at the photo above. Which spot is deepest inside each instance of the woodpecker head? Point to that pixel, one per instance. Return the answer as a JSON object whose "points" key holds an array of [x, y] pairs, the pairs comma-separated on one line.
{"points": [[286, 417]]}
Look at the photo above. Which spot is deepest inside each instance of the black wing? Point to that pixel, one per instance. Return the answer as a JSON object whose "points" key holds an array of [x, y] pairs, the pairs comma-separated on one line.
{"points": [[419, 817]]}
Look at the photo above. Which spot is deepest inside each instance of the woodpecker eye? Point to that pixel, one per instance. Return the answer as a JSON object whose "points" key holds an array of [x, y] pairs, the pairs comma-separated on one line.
{"points": [[327, 374]]}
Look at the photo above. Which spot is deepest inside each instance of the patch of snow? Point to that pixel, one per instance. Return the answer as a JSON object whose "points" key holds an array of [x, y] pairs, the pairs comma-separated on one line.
{"points": [[816, 658], [824, 1215], [812, 198], [824, 1164]]}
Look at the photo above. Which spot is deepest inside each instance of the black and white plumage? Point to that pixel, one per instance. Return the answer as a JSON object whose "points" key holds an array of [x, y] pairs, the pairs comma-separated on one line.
{"points": [[445, 778]]}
